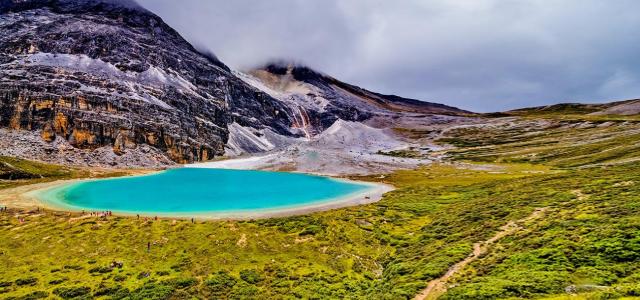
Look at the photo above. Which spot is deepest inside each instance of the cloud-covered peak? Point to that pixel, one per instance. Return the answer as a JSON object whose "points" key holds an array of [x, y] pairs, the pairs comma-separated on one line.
{"points": [[483, 55]]}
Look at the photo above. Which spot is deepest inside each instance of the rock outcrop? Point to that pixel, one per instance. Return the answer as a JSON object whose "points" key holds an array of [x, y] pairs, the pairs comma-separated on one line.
{"points": [[317, 100], [109, 73]]}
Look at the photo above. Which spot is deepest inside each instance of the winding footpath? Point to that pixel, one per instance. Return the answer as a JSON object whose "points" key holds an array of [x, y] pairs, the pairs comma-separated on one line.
{"points": [[438, 286]]}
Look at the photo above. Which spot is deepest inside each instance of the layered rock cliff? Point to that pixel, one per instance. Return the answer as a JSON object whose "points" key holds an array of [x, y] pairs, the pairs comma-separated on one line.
{"points": [[98, 73]]}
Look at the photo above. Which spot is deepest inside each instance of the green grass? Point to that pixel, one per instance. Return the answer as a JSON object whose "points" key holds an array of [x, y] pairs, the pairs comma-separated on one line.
{"points": [[584, 174], [561, 144], [359, 251], [586, 241], [15, 172], [571, 112], [384, 250]]}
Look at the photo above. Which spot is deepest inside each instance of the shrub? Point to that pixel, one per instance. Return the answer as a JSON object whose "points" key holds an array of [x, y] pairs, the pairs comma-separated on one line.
{"points": [[183, 264], [311, 230], [35, 295], [152, 291], [220, 283], [100, 270], [119, 278], [116, 292], [27, 281], [250, 276], [244, 291], [32, 296], [57, 281], [180, 283], [72, 292]]}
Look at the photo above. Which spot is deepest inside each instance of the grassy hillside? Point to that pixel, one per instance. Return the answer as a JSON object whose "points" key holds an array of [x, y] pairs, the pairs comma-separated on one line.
{"points": [[566, 144], [367, 250], [620, 110], [586, 242], [385, 250], [15, 172], [586, 245]]}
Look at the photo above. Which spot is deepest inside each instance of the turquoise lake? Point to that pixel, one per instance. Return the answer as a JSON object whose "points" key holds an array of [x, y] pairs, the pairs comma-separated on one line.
{"points": [[194, 190]]}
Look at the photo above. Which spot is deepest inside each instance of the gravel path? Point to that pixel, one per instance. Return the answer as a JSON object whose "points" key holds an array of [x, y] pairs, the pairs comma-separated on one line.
{"points": [[438, 286]]}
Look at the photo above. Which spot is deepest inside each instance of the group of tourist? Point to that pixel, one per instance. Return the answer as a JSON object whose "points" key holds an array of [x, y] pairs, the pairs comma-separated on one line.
{"points": [[147, 219], [106, 213]]}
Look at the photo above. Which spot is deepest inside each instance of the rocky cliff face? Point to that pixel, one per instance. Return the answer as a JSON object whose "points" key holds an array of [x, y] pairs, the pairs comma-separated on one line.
{"points": [[106, 82], [109, 73], [318, 100]]}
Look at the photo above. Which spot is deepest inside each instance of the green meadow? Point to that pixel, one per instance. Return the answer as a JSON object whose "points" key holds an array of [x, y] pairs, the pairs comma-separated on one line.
{"points": [[586, 243]]}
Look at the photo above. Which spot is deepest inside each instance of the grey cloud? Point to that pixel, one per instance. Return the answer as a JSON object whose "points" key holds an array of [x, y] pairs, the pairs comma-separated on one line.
{"points": [[483, 55]]}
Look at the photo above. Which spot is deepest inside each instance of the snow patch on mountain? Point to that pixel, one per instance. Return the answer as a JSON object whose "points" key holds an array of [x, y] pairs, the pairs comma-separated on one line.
{"points": [[344, 148], [137, 82], [355, 136], [256, 83], [250, 140]]}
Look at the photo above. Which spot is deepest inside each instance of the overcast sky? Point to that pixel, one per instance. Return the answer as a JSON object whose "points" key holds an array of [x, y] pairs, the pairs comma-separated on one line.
{"points": [[481, 55]]}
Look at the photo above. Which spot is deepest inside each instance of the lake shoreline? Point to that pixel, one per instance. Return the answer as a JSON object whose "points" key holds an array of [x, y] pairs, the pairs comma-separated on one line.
{"points": [[28, 197]]}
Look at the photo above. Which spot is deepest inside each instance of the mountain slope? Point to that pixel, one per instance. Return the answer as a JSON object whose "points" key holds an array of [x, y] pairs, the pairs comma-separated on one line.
{"points": [[621, 108], [106, 82], [321, 99], [111, 74]]}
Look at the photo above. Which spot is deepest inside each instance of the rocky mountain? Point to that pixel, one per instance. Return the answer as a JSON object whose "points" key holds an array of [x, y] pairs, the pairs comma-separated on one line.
{"points": [[106, 82], [317, 101], [97, 73], [321, 99]]}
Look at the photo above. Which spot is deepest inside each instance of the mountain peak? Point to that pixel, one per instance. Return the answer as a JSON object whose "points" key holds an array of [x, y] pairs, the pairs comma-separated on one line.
{"points": [[283, 63], [294, 80], [298, 70], [283, 67]]}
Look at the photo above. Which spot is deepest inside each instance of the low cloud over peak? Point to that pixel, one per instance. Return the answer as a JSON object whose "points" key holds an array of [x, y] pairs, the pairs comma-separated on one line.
{"points": [[481, 55]]}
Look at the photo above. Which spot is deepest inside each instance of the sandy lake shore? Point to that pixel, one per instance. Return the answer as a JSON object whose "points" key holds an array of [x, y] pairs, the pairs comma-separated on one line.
{"points": [[26, 197], [23, 197]]}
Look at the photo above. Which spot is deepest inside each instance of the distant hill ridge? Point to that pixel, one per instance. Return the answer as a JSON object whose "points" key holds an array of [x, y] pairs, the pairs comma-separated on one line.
{"points": [[624, 107]]}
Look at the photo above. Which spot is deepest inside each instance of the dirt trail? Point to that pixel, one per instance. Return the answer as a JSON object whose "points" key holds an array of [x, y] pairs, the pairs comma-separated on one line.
{"points": [[438, 286]]}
